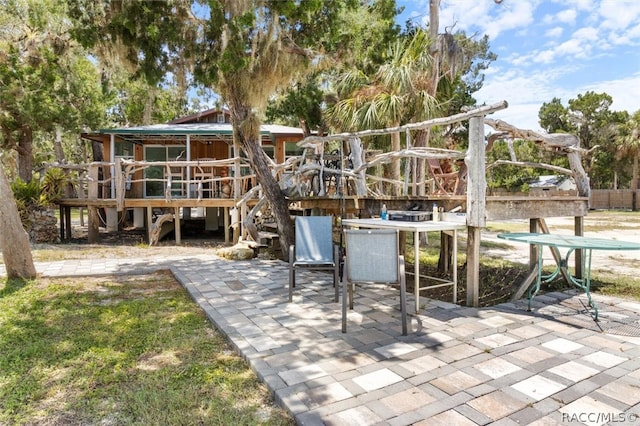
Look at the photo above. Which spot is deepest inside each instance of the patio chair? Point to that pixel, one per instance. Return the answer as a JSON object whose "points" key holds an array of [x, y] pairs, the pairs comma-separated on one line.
{"points": [[372, 257], [446, 182], [313, 249]]}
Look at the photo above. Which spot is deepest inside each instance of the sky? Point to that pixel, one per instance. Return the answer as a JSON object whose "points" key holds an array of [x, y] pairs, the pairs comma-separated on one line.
{"points": [[547, 49]]}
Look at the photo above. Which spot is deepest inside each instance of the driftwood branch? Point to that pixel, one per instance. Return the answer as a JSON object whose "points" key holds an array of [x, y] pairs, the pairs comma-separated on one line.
{"points": [[415, 152], [249, 223], [567, 143], [456, 118], [156, 228], [530, 164], [563, 141]]}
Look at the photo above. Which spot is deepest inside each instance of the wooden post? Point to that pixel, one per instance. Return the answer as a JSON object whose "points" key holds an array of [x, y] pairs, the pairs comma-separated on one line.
{"points": [[93, 230], [149, 223], [176, 224], [119, 185], [225, 212], [444, 262], [357, 158], [476, 205], [92, 192], [62, 223], [67, 219], [473, 266], [533, 249]]}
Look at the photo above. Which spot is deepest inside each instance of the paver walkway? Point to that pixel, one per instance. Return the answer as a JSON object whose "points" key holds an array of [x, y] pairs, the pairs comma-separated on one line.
{"points": [[458, 366]]}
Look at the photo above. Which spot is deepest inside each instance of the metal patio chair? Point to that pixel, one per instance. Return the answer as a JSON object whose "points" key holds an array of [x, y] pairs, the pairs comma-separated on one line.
{"points": [[372, 257], [313, 249]]}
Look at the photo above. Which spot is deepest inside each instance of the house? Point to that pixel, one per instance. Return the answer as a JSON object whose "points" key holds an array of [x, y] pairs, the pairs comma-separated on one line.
{"points": [[188, 166], [552, 183], [204, 136]]}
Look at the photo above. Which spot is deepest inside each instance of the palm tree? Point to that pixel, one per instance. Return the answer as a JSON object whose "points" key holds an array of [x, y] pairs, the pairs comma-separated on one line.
{"points": [[391, 95], [628, 141]]}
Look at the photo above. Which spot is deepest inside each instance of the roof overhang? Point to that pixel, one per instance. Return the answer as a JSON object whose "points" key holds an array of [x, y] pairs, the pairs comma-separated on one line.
{"points": [[195, 131]]}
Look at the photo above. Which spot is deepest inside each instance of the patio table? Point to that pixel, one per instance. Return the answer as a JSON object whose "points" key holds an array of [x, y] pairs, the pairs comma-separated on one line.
{"points": [[450, 228], [572, 243]]}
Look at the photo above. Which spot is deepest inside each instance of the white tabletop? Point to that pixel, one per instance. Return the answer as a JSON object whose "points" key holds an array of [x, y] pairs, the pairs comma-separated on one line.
{"points": [[424, 226]]}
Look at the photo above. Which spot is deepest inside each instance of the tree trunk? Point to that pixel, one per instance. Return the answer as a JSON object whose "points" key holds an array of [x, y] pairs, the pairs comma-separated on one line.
{"points": [[259, 163], [25, 154], [634, 172], [634, 181], [96, 151], [57, 147], [14, 241]]}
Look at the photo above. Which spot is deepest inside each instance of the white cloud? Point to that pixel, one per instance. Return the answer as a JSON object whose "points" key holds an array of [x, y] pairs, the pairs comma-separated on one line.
{"points": [[486, 16], [619, 14], [554, 32], [524, 116], [567, 16], [582, 5], [625, 92], [551, 48]]}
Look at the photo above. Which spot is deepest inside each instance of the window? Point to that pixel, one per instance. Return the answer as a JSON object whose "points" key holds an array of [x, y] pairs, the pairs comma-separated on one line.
{"points": [[124, 150], [291, 149]]}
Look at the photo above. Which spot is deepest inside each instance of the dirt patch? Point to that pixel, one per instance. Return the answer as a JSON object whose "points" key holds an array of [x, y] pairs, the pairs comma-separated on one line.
{"points": [[623, 226], [496, 284]]}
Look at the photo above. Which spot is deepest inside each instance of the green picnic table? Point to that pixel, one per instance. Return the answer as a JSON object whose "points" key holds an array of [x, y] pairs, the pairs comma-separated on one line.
{"points": [[572, 243]]}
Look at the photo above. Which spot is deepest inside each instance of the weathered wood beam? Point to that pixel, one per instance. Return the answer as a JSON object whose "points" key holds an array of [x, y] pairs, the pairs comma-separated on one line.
{"points": [[531, 164], [473, 266], [456, 118], [507, 208], [476, 205]]}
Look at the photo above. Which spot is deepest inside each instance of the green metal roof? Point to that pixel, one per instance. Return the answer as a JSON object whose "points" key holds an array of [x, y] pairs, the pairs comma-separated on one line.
{"points": [[201, 129]]}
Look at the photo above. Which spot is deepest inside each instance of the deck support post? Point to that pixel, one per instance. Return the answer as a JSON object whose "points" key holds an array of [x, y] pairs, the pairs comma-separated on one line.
{"points": [[176, 222], [65, 223], [62, 233], [93, 229], [476, 204], [225, 212], [533, 249], [149, 222], [473, 266]]}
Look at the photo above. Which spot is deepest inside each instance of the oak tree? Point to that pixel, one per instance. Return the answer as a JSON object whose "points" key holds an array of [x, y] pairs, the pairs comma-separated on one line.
{"points": [[243, 50]]}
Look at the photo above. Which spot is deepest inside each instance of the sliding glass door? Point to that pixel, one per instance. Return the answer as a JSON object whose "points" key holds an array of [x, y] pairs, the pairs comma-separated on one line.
{"points": [[159, 174]]}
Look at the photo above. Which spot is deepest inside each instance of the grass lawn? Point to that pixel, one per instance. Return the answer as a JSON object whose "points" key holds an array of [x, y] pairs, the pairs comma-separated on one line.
{"points": [[120, 350]]}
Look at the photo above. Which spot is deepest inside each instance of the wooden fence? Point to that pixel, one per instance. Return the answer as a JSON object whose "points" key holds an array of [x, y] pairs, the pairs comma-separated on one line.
{"points": [[614, 199]]}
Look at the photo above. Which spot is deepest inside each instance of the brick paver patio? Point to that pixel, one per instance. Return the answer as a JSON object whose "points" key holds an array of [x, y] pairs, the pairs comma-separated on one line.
{"points": [[458, 366]]}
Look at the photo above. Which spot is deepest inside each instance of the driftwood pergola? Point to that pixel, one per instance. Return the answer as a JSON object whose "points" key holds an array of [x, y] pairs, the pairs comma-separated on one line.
{"points": [[563, 143], [475, 161]]}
